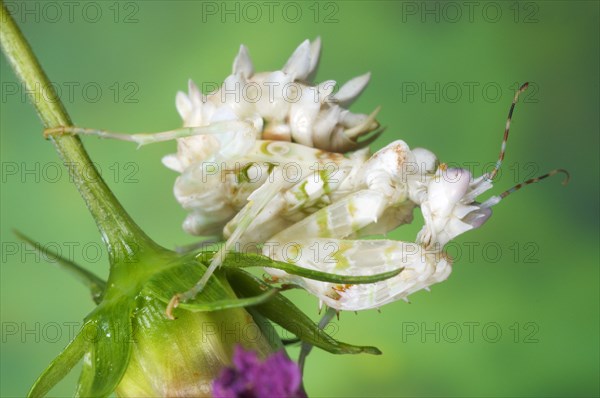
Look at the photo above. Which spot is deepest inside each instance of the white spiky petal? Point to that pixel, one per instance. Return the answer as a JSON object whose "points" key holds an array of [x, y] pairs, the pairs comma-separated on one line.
{"points": [[288, 106]]}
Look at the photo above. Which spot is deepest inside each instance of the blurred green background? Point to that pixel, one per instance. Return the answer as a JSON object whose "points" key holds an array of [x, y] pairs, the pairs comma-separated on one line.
{"points": [[519, 314]]}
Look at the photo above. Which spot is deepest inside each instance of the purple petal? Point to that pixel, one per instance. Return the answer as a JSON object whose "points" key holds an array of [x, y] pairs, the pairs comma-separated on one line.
{"points": [[276, 377], [245, 361], [227, 384]]}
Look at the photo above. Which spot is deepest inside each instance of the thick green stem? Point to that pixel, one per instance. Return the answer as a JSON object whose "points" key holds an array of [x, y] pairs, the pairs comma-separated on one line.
{"points": [[120, 233]]}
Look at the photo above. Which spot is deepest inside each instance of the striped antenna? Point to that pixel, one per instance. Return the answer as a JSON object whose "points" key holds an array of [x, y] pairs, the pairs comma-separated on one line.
{"points": [[497, 198], [493, 173], [537, 179]]}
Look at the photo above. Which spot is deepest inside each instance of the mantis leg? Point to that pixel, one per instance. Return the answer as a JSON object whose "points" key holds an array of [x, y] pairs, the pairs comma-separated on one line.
{"points": [[149, 138], [305, 197], [307, 347], [256, 203], [340, 219], [418, 268]]}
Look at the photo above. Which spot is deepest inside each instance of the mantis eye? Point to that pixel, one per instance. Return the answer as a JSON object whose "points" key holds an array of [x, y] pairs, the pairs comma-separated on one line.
{"points": [[478, 217]]}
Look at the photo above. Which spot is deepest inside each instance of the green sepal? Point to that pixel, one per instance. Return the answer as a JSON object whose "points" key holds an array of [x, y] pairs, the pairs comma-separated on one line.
{"points": [[283, 312], [91, 281], [59, 367], [214, 297], [246, 260], [108, 331]]}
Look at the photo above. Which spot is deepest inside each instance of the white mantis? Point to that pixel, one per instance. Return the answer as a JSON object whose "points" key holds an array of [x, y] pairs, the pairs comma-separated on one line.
{"points": [[332, 207]]}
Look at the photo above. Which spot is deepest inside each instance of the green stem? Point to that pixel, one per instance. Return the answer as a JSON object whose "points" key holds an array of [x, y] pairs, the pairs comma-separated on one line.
{"points": [[119, 232]]}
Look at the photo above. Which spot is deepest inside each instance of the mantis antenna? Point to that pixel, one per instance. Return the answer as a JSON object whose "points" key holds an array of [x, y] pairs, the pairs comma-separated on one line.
{"points": [[493, 173], [495, 199]]}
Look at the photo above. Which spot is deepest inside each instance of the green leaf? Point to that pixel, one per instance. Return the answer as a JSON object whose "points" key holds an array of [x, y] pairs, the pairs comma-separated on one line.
{"points": [[246, 260], [59, 367], [108, 329], [283, 312], [95, 284]]}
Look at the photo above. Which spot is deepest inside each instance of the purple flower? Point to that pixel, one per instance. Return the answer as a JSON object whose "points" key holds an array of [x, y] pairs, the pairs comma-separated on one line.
{"points": [[275, 377]]}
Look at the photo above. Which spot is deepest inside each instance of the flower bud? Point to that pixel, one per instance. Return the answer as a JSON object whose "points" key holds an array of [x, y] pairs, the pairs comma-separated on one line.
{"points": [[181, 358], [130, 347]]}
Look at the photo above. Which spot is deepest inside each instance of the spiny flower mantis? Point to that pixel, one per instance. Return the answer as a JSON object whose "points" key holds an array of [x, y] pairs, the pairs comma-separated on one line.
{"points": [[365, 196], [232, 155]]}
